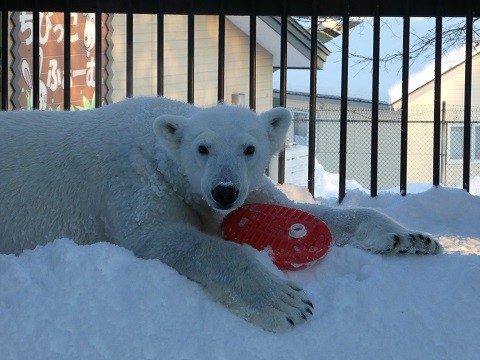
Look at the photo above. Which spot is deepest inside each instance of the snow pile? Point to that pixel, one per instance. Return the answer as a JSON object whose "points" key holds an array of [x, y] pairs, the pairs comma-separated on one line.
{"points": [[474, 185], [327, 184], [64, 301]]}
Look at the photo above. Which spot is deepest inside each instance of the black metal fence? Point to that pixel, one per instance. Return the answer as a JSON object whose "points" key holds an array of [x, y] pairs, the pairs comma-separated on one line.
{"points": [[282, 8]]}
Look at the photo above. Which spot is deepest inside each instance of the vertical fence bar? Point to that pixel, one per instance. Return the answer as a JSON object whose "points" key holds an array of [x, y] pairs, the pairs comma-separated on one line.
{"points": [[343, 109], [438, 95], [221, 55], [98, 56], [36, 56], [375, 97], [129, 88], [283, 83], [468, 99], [444, 143], [253, 58], [313, 100], [66, 56], [191, 54], [404, 120], [160, 54], [4, 45]]}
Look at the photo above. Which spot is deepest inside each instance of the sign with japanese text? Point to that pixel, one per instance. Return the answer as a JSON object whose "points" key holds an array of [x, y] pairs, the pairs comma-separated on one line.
{"points": [[52, 75]]}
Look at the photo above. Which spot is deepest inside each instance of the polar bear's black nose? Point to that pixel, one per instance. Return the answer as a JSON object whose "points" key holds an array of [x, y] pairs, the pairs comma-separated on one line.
{"points": [[225, 195]]}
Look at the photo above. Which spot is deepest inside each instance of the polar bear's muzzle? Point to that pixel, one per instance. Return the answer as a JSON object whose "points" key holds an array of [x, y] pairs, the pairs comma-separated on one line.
{"points": [[225, 195]]}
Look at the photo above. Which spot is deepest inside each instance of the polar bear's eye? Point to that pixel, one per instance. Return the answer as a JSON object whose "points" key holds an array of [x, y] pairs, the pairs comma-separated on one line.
{"points": [[250, 150], [202, 149]]}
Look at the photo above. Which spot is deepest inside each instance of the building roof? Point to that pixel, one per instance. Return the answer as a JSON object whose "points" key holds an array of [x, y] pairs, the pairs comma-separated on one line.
{"points": [[268, 36], [425, 76], [334, 99]]}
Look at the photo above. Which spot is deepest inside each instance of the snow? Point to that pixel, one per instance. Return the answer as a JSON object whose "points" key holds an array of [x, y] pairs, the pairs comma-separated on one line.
{"points": [[64, 301]]}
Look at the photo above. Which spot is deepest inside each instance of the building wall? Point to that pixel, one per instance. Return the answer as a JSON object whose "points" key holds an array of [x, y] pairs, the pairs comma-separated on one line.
{"points": [[175, 68], [358, 151]]}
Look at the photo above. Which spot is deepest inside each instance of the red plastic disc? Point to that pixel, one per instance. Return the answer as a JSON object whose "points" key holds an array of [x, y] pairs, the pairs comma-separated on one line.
{"points": [[297, 238]]}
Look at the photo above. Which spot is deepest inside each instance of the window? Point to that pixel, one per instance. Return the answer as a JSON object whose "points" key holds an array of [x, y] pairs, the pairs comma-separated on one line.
{"points": [[455, 143], [300, 127]]}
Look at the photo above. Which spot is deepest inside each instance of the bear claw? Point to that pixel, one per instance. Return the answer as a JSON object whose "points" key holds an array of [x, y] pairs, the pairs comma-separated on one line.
{"points": [[415, 243], [309, 303]]}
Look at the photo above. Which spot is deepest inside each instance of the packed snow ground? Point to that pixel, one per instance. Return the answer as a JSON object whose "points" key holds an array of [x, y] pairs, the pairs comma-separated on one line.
{"points": [[64, 301]]}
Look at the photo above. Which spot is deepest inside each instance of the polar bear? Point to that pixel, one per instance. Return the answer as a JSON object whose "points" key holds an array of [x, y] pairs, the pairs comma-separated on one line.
{"points": [[157, 177]]}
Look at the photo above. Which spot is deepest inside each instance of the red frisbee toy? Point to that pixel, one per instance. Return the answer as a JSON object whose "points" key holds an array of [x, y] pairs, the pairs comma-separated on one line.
{"points": [[297, 238]]}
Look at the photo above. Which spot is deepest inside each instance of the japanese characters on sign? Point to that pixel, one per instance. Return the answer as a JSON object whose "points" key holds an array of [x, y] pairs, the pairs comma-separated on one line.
{"points": [[52, 75]]}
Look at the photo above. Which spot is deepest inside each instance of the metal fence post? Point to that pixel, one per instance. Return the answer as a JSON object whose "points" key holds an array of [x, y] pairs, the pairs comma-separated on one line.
{"points": [[342, 173], [283, 83], [443, 165]]}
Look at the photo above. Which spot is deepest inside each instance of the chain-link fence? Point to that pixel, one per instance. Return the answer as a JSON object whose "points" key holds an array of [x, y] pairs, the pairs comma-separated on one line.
{"points": [[420, 143]]}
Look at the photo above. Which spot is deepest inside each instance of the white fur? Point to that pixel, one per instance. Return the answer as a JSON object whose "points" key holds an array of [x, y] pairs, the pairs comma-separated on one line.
{"points": [[103, 175]]}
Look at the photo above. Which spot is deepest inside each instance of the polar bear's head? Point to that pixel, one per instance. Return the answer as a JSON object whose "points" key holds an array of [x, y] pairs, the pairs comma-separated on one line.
{"points": [[223, 150]]}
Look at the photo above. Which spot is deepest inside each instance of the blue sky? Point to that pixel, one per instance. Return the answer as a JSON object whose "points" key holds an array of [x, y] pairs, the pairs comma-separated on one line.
{"points": [[360, 74]]}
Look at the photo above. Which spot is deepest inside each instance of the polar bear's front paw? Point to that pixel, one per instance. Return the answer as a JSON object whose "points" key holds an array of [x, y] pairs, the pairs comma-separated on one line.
{"points": [[410, 243], [415, 243], [281, 308], [380, 234]]}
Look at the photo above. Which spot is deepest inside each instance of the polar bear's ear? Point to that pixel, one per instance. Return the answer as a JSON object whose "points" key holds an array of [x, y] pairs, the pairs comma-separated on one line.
{"points": [[278, 121], [169, 127]]}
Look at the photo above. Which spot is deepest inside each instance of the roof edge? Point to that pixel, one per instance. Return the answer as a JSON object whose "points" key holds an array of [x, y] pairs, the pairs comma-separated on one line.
{"points": [[332, 97], [297, 36]]}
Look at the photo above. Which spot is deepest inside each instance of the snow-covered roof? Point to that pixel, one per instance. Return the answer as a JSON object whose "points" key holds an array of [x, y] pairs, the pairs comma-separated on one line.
{"points": [[450, 61]]}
